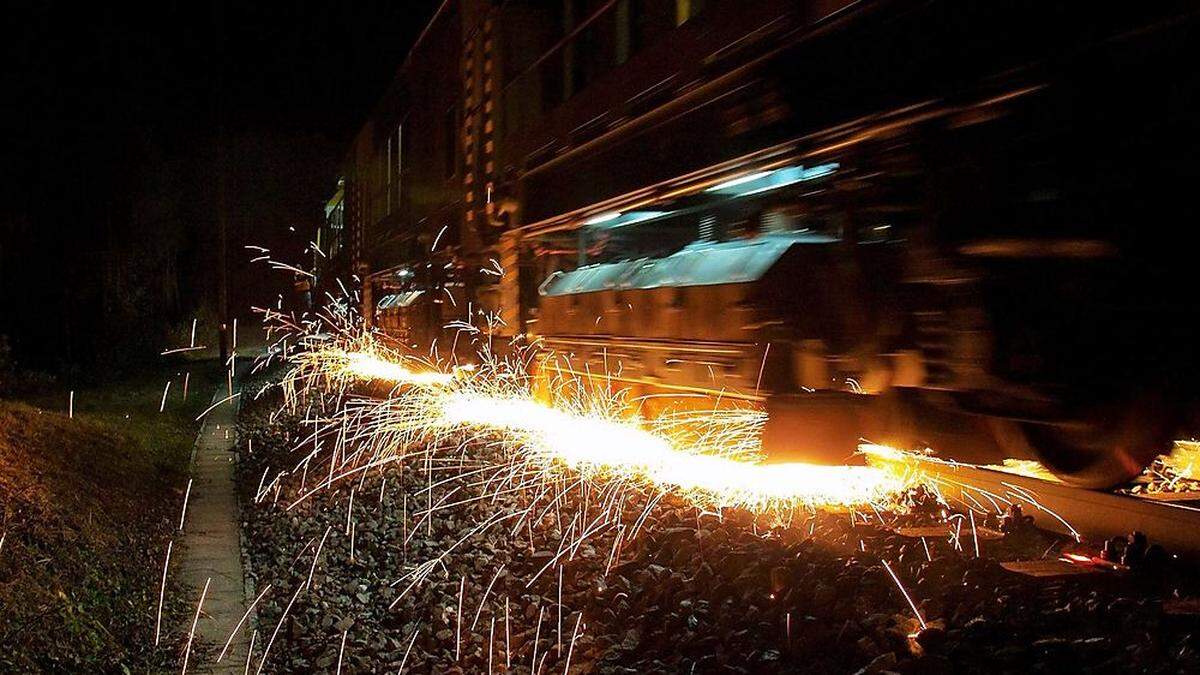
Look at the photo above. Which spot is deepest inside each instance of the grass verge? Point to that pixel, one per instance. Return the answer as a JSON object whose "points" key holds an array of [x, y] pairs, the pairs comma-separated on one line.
{"points": [[87, 506]]}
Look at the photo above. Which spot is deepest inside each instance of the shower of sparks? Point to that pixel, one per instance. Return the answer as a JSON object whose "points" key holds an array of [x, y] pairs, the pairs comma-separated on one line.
{"points": [[575, 452], [971, 499], [1175, 471], [567, 453], [711, 456]]}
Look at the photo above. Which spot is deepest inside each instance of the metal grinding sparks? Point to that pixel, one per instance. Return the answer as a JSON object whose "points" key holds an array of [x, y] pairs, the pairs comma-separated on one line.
{"points": [[394, 372], [595, 444], [710, 456], [338, 364]]}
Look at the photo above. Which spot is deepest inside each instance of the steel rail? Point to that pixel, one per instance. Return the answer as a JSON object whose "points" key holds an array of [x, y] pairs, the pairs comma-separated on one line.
{"points": [[1093, 515]]}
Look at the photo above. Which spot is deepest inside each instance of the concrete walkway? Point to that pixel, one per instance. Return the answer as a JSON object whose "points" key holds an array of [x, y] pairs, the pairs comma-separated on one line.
{"points": [[212, 548]]}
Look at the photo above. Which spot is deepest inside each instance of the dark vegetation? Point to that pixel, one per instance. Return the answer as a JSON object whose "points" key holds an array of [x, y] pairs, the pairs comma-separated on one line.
{"points": [[112, 165], [87, 506]]}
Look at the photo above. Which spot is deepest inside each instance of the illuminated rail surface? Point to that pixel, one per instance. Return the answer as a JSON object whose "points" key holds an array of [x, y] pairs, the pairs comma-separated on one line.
{"points": [[1092, 515]]}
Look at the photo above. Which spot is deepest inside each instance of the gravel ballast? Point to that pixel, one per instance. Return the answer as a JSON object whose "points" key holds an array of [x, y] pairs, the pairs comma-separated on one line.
{"points": [[690, 592]]}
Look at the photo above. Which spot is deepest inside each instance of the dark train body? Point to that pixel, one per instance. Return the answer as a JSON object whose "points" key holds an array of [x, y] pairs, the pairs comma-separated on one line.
{"points": [[954, 224]]}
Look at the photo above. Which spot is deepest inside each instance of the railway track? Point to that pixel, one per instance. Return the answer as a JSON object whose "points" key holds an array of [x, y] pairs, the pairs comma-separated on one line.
{"points": [[1089, 515]]}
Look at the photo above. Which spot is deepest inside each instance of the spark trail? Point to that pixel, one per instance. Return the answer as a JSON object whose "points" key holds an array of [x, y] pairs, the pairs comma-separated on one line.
{"points": [[712, 457], [594, 444]]}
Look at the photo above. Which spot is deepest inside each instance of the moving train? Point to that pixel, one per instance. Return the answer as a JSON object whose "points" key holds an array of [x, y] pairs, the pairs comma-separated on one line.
{"points": [[922, 222]]}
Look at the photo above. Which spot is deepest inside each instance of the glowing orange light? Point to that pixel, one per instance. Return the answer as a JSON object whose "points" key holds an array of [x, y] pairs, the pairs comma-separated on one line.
{"points": [[596, 443], [372, 367], [712, 456], [1183, 462]]}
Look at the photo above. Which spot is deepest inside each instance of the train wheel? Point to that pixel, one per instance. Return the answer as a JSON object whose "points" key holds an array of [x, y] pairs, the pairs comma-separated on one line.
{"points": [[1109, 445]]}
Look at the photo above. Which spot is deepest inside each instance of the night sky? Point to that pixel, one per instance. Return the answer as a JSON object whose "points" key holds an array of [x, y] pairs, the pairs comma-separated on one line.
{"points": [[109, 194]]}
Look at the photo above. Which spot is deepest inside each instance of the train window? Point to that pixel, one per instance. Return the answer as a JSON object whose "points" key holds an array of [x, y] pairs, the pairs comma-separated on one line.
{"points": [[565, 47]]}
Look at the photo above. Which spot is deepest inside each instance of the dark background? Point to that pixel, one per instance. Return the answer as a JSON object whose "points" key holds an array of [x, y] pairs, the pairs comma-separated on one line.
{"points": [[111, 162]]}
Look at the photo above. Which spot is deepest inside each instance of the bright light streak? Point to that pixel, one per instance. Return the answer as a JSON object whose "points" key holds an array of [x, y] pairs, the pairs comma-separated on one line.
{"points": [[738, 181], [904, 591], [592, 444], [602, 218], [372, 367], [712, 457], [340, 365]]}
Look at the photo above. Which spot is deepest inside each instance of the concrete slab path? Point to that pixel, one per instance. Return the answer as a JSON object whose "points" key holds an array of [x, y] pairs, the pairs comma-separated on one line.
{"points": [[212, 540]]}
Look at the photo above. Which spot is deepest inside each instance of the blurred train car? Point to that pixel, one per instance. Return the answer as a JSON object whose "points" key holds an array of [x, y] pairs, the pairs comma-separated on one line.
{"points": [[921, 222]]}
